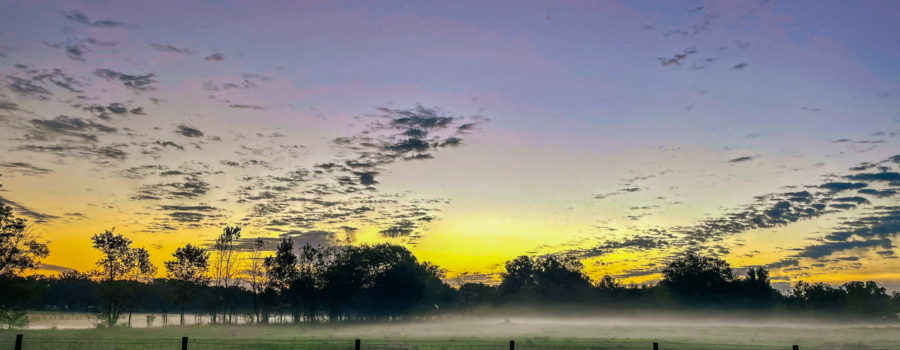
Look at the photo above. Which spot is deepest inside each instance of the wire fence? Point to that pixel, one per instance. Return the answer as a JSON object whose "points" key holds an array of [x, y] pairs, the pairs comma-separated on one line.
{"points": [[21, 343]]}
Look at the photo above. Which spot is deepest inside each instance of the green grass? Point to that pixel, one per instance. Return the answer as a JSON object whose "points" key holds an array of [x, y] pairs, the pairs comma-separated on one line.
{"points": [[477, 334]]}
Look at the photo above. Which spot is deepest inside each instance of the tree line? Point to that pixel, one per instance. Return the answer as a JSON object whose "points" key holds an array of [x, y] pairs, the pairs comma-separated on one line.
{"points": [[316, 284]]}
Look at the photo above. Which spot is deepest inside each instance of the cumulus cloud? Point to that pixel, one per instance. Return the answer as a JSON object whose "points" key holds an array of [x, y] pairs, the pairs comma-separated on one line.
{"points": [[190, 213], [345, 188], [399, 229], [784, 208], [887, 176], [192, 187], [139, 82], [299, 238], [113, 109], [843, 186], [314, 238], [50, 129], [38, 81], [650, 240], [877, 229], [878, 193], [25, 87], [216, 57], [678, 58], [405, 134], [75, 52], [188, 131]]}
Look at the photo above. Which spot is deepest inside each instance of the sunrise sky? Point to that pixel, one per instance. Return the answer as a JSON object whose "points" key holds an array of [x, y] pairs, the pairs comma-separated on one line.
{"points": [[471, 131]]}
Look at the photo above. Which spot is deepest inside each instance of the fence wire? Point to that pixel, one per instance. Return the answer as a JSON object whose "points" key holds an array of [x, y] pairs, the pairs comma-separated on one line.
{"points": [[331, 344]]}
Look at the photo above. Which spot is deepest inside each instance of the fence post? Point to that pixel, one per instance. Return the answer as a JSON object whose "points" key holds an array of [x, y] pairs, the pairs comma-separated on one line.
{"points": [[184, 343], [655, 346], [19, 341], [356, 344], [512, 345], [796, 347]]}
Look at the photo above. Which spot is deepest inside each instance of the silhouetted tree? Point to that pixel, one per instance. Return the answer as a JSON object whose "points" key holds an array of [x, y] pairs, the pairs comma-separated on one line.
{"points": [[281, 270], [548, 278], [817, 296], [609, 283], [157, 295], [225, 268], [476, 294], [610, 289], [895, 302], [189, 269], [868, 299], [257, 277], [72, 291], [117, 269], [387, 282], [381, 281], [753, 291], [697, 279], [560, 279], [18, 250], [518, 280], [305, 290]]}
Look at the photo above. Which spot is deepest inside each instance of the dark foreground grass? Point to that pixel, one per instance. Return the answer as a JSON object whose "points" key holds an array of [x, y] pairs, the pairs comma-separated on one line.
{"points": [[473, 334]]}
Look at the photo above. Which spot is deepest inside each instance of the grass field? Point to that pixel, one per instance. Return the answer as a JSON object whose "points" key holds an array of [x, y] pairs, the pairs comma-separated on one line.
{"points": [[482, 334]]}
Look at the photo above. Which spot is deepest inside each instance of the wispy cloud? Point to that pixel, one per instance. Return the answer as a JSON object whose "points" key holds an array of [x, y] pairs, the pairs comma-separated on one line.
{"points": [[80, 18], [139, 82]]}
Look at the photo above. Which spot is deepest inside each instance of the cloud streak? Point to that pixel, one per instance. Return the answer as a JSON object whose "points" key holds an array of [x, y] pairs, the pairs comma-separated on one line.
{"points": [[80, 18]]}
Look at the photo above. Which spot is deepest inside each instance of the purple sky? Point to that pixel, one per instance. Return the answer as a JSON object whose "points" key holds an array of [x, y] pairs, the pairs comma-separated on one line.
{"points": [[560, 126]]}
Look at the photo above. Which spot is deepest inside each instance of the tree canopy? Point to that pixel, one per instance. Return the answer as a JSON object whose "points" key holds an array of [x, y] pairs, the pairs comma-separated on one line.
{"points": [[19, 251]]}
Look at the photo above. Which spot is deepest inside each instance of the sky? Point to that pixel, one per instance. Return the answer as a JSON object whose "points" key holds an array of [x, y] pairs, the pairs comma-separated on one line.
{"points": [[621, 132]]}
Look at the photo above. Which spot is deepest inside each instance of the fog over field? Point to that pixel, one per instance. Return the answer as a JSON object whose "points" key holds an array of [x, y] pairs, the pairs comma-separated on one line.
{"points": [[696, 328], [487, 324], [676, 328]]}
